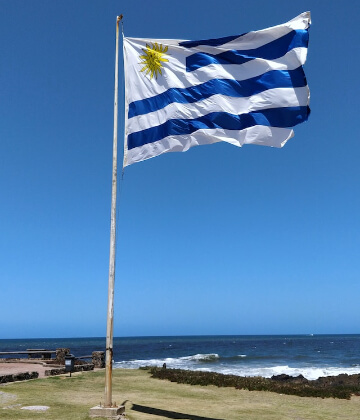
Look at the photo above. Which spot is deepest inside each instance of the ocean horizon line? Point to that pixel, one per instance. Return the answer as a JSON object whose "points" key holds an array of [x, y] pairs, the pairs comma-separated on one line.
{"points": [[182, 336]]}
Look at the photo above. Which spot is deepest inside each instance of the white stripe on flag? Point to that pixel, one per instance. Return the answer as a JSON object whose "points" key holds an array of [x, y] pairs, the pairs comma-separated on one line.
{"points": [[273, 98], [259, 135]]}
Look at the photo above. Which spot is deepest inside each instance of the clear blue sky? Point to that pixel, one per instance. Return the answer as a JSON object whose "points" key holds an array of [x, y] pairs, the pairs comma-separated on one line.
{"points": [[217, 240]]}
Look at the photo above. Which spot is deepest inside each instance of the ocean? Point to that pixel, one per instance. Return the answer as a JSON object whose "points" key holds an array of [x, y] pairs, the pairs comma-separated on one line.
{"points": [[309, 355]]}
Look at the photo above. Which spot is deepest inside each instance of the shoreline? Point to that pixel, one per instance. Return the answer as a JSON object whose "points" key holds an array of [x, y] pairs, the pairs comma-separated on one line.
{"points": [[13, 366], [341, 386], [312, 373]]}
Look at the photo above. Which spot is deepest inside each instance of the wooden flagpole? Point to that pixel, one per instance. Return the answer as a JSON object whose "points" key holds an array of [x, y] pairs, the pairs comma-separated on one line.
{"points": [[110, 312]]}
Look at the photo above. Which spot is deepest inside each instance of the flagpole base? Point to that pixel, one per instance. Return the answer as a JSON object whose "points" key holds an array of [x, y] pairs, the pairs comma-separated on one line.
{"points": [[117, 412]]}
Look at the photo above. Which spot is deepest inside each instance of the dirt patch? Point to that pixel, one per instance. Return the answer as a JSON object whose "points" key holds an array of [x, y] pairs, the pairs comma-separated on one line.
{"points": [[6, 398], [16, 368]]}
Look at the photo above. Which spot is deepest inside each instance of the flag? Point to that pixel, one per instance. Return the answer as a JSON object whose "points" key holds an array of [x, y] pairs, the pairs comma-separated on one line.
{"points": [[244, 89]]}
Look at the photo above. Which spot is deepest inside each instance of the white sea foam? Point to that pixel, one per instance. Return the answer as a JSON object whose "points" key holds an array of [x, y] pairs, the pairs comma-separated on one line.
{"points": [[310, 373], [210, 363]]}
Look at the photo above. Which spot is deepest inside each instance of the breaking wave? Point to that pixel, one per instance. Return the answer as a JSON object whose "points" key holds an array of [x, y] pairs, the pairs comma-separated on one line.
{"points": [[186, 362], [202, 357], [229, 366]]}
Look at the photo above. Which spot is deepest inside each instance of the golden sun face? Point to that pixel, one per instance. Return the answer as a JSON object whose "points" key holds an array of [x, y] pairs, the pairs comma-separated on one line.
{"points": [[153, 59]]}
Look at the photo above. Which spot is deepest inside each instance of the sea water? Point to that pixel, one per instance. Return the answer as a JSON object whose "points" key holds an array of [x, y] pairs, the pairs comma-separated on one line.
{"points": [[309, 355]]}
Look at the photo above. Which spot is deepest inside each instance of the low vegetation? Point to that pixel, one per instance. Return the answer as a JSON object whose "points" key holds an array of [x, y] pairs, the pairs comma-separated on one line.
{"points": [[342, 386]]}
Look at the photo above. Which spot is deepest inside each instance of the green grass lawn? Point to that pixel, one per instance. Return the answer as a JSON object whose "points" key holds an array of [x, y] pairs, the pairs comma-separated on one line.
{"points": [[148, 398]]}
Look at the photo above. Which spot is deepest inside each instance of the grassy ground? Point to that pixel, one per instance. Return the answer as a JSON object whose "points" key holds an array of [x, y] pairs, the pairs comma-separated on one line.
{"points": [[147, 399]]}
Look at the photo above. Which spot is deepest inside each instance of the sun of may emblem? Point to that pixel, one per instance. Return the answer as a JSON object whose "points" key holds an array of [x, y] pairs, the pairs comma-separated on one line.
{"points": [[153, 59]]}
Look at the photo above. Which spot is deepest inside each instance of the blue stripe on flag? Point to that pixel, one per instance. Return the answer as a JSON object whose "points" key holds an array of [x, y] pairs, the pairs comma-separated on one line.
{"points": [[272, 117], [214, 42], [234, 88], [269, 51]]}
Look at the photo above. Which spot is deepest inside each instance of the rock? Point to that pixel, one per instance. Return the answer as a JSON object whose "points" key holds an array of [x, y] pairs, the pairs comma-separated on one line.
{"points": [[340, 380], [289, 379], [35, 407]]}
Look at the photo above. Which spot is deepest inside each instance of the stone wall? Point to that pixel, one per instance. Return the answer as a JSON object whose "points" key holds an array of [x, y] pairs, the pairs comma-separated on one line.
{"points": [[60, 355], [98, 359]]}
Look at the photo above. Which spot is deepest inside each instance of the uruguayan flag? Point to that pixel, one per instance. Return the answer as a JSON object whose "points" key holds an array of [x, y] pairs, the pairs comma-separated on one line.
{"points": [[244, 89]]}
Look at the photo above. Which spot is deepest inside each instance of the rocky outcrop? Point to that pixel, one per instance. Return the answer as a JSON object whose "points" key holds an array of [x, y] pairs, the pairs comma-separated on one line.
{"points": [[340, 380], [289, 379]]}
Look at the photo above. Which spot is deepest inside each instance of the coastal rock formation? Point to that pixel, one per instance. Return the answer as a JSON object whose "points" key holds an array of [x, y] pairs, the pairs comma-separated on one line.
{"points": [[289, 379], [340, 380]]}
